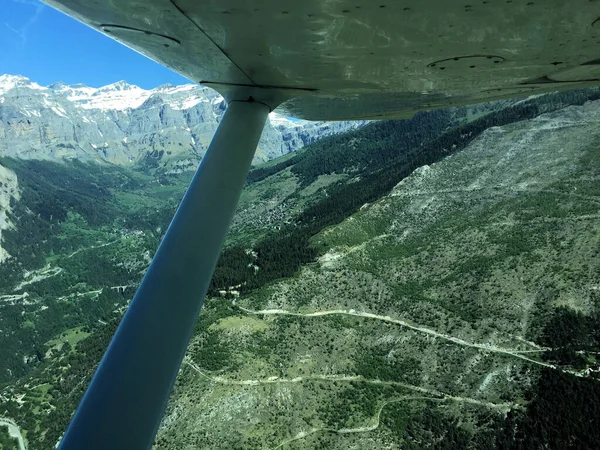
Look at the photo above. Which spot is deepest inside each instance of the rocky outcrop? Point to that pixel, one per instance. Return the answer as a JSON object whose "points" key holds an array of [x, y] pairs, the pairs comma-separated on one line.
{"points": [[169, 126], [9, 192]]}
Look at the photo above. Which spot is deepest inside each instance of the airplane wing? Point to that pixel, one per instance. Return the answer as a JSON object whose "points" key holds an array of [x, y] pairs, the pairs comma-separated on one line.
{"points": [[358, 59], [316, 60]]}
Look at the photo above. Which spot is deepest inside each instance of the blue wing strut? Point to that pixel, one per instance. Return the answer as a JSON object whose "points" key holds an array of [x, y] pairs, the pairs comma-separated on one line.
{"points": [[124, 403]]}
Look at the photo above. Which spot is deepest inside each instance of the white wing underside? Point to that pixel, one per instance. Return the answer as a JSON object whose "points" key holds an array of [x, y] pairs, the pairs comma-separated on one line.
{"points": [[340, 59]]}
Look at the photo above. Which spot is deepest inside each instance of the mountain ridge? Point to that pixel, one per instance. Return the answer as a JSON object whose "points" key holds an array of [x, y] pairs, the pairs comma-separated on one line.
{"points": [[122, 123]]}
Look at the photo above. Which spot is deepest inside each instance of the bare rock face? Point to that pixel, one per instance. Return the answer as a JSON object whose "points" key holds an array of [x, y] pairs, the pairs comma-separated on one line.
{"points": [[9, 192], [169, 126]]}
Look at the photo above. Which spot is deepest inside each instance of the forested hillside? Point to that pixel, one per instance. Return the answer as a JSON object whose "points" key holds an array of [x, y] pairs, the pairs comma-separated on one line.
{"points": [[371, 167], [408, 283]]}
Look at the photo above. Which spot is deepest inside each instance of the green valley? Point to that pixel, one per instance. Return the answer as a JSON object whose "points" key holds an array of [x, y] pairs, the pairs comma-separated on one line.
{"points": [[410, 284]]}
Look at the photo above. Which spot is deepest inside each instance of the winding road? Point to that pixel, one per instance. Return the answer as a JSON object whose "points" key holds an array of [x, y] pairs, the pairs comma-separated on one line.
{"points": [[93, 247], [495, 190], [357, 378], [364, 429], [434, 396], [421, 329], [13, 431]]}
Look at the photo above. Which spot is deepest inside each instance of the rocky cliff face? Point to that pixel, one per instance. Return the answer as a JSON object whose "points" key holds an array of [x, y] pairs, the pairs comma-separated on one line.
{"points": [[169, 126], [8, 192]]}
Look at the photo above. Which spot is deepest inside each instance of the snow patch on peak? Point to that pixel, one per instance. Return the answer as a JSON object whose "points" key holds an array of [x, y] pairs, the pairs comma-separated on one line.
{"points": [[7, 78], [187, 102], [164, 87], [58, 86], [8, 82], [171, 89], [119, 86], [117, 96], [59, 111], [77, 92], [185, 96], [120, 96], [287, 122]]}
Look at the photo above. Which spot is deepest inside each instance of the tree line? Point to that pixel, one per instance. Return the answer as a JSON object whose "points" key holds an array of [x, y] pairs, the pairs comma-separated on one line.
{"points": [[387, 153]]}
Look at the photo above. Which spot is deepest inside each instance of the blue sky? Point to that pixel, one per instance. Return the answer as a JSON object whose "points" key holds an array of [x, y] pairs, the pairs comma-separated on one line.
{"points": [[47, 46]]}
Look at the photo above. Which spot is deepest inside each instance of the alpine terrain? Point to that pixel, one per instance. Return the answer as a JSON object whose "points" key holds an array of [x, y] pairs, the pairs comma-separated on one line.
{"points": [[168, 127], [427, 283]]}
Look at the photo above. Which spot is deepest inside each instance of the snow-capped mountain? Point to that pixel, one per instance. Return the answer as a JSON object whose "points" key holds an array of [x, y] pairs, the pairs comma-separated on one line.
{"points": [[169, 126]]}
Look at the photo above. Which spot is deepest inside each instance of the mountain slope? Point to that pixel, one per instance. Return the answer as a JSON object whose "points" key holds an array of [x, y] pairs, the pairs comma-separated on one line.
{"points": [[430, 302], [368, 313], [169, 126]]}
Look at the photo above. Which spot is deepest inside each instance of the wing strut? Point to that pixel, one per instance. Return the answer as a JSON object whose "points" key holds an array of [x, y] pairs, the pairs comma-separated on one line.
{"points": [[124, 403]]}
